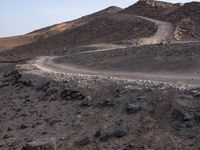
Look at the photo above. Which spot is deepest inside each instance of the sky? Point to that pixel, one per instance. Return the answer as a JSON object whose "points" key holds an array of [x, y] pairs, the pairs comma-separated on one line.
{"points": [[23, 16]]}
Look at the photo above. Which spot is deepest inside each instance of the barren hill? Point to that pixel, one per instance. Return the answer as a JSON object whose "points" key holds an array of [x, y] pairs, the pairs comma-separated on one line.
{"points": [[112, 28], [116, 79], [58, 28], [149, 8], [184, 16], [12, 42]]}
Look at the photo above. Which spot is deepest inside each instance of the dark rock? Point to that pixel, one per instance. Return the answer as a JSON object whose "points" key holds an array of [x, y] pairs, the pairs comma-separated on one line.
{"points": [[44, 87], [2, 143], [12, 73], [107, 103], [24, 114], [83, 141], [23, 126], [24, 83], [35, 124], [9, 129], [181, 115], [28, 83], [51, 91], [117, 92], [81, 96], [41, 144], [189, 97], [87, 101], [105, 135], [70, 94], [75, 94], [78, 95], [197, 116], [65, 93], [197, 94], [141, 98], [6, 136], [98, 133], [43, 133], [52, 122], [132, 108], [4, 85], [121, 128], [189, 125], [128, 146]]}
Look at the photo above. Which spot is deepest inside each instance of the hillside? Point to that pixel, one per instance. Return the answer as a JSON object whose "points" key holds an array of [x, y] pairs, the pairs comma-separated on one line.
{"points": [[58, 28], [118, 79], [12, 42], [150, 8], [185, 17], [107, 29], [187, 21]]}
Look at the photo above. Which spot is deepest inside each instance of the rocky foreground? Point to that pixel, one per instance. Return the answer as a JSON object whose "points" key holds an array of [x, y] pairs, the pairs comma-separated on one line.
{"points": [[58, 111]]}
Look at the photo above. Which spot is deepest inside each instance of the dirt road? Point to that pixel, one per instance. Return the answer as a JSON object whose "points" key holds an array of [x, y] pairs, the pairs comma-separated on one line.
{"points": [[163, 34], [165, 30], [48, 64]]}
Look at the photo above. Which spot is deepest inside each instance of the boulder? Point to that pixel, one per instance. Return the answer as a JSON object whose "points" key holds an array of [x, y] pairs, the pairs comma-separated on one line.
{"points": [[107, 103], [103, 134], [181, 115], [44, 87], [41, 144], [51, 91], [12, 73], [65, 93], [72, 94], [121, 128], [132, 108], [83, 141], [87, 101]]}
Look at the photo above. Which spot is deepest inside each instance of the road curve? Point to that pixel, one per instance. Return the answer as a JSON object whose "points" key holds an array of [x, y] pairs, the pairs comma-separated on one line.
{"points": [[48, 64], [165, 31]]}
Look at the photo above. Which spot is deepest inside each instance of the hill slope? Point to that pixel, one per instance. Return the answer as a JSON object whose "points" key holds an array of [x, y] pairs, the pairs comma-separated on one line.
{"points": [[12, 42], [107, 29], [184, 16]]}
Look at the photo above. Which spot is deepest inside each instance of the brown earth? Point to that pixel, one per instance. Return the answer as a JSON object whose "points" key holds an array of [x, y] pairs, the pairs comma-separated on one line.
{"points": [[104, 91]]}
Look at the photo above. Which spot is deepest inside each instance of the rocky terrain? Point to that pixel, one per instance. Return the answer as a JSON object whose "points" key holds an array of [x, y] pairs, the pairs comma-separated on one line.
{"points": [[185, 17], [118, 79], [92, 113], [110, 29]]}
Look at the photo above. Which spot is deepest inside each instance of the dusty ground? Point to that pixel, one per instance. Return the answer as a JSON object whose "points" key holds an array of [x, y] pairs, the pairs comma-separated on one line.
{"points": [[119, 83], [167, 118]]}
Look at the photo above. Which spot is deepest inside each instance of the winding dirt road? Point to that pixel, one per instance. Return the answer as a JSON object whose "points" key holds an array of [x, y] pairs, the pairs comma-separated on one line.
{"points": [[164, 33]]}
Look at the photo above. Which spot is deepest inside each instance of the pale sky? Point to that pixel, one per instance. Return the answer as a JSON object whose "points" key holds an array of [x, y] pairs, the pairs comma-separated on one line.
{"points": [[23, 16]]}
